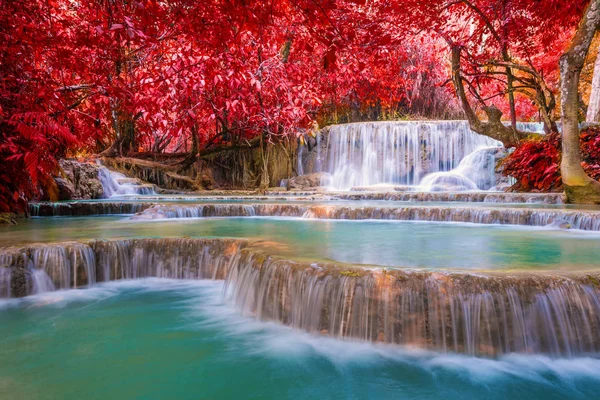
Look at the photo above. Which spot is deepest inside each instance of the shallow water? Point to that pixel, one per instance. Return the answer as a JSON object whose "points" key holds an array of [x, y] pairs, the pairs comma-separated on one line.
{"points": [[307, 200], [157, 339], [385, 243]]}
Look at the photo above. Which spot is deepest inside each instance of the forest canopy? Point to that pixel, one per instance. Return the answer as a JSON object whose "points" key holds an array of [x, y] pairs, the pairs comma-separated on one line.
{"points": [[117, 76]]}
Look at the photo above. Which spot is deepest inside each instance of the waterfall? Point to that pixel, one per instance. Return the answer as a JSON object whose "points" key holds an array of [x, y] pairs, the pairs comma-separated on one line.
{"points": [[402, 153], [221, 210], [41, 282], [5, 282], [117, 184], [534, 127], [458, 312], [78, 208], [300, 162], [582, 220], [476, 171], [465, 197]]}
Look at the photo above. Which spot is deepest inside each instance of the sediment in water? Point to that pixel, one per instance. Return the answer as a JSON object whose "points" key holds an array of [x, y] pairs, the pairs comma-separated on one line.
{"points": [[457, 312]]}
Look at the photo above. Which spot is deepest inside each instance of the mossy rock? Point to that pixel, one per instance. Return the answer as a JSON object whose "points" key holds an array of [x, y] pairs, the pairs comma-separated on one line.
{"points": [[8, 219], [352, 273]]}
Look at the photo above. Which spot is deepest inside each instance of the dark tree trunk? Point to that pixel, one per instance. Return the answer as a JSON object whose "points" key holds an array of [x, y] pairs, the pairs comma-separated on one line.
{"points": [[494, 128]]}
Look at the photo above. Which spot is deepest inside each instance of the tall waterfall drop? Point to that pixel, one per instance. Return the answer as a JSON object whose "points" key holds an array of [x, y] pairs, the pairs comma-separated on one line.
{"points": [[373, 153]]}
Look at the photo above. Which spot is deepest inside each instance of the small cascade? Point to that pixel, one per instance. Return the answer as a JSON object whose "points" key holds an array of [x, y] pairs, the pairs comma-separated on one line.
{"points": [[117, 184], [457, 312], [5, 282], [582, 220], [402, 153], [299, 163], [65, 265], [41, 282], [221, 210], [475, 172], [68, 265], [464, 197], [83, 208], [451, 313], [533, 127]]}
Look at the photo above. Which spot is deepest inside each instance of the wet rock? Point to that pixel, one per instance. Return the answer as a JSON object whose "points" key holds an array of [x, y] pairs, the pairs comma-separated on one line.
{"points": [[18, 284], [559, 223], [309, 181], [78, 180], [66, 190], [8, 219]]}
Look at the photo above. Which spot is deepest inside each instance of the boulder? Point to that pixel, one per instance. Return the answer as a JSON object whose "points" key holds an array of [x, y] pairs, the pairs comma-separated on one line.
{"points": [[78, 180], [309, 181], [66, 190]]}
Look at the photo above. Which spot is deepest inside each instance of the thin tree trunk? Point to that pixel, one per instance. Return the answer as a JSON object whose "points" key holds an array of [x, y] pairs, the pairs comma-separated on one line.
{"points": [[579, 187], [193, 155], [593, 112]]}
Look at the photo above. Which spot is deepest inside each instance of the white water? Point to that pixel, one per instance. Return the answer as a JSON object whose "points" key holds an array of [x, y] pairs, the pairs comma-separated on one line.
{"points": [[115, 184], [41, 282], [475, 172], [372, 153]]}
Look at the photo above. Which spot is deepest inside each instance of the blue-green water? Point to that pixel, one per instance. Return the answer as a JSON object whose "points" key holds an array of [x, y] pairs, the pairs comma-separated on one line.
{"points": [[309, 200], [157, 339], [385, 243]]}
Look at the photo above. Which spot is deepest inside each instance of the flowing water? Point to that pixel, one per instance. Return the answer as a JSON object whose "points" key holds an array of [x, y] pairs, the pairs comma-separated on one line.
{"points": [[385, 243], [452, 293], [116, 184], [157, 339], [372, 153]]}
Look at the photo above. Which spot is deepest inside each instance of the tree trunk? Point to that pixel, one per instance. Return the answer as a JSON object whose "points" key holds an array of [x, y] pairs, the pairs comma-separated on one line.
{"points": [[593, 112], [264, 159], [494, 127], [579, 187], [124, 127], [192, 156]]}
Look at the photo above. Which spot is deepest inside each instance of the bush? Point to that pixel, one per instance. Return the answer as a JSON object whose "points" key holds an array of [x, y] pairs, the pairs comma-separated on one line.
{"points": [[535, 163]]}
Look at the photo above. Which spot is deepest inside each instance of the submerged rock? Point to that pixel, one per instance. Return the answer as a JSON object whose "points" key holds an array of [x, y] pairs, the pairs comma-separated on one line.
{"points": [[560, 224]]}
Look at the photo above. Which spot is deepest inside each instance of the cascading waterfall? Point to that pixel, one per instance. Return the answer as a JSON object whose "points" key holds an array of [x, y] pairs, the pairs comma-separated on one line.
{"points": [[582, 220], [78, 208], [471, 314], [475, 172], [459, 313], [5, 281], [117, 184], [534, 127], [372, 153], [468, 197]]}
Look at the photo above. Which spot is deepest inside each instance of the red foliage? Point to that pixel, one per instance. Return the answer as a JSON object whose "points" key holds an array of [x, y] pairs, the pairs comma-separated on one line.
{"points": [[74, 74], [535, 164]]}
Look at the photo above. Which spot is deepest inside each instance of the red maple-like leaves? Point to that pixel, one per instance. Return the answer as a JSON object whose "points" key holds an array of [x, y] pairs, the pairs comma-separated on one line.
{"points": [[535, 164], [75, 75]]}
